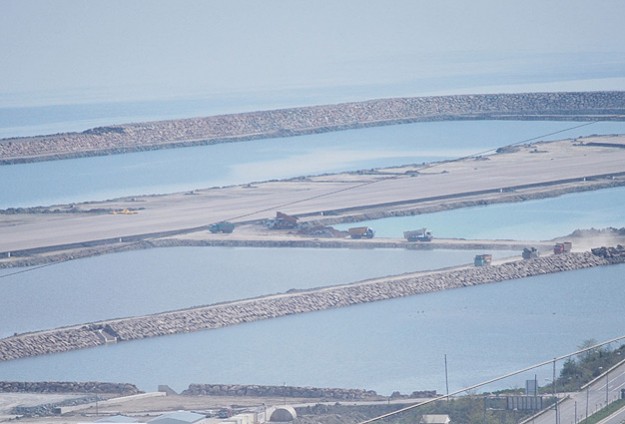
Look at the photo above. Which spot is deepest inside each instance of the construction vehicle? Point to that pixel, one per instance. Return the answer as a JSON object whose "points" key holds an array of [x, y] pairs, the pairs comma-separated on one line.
{"points": [[418, 235], [221, 227], [283, 221], [361, 232], [482, 260], [564, 247], [224, 413], [530, 253]]}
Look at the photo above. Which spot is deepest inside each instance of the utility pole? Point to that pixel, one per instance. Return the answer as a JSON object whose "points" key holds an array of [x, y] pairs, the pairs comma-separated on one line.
{"points": [[587, 389], [555, 394], [446, 380]]}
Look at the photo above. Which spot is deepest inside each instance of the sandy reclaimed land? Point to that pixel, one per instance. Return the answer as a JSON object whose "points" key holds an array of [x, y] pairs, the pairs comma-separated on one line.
{"points": [[534, 170]]}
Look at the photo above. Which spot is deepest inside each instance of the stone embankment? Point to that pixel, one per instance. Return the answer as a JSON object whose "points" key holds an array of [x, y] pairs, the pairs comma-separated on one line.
{"points": [[294, 392], [277, 391], [292, 302], [91, 387], [314, 119]]}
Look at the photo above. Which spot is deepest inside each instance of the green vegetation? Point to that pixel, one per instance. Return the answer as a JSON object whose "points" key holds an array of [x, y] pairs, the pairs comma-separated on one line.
{"points": [[605, 412], [586, 366], [485, 408]]}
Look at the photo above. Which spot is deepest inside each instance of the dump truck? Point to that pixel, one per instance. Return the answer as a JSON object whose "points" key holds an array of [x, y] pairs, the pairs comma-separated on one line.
{"points": [[221, 227], [564, 247], [418, 235], [361, 232], [482, 260], [283, 221], [530, 253]]}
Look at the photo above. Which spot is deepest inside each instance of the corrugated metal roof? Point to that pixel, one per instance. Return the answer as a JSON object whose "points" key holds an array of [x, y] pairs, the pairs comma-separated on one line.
{"points": [[178, 416]]}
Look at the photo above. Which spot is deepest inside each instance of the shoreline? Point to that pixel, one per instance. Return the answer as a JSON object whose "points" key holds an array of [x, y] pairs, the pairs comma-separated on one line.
{"points": [[238, 127]]}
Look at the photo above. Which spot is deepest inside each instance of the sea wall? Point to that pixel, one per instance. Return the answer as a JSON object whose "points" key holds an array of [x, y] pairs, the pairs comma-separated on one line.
{"points": [[294, 392], [292, 302], [314, 119], [277, 391], [91, 387]]}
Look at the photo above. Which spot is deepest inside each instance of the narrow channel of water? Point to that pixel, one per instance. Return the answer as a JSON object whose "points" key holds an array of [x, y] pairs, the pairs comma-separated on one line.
{"points": [[156, 280], [184, 169]]}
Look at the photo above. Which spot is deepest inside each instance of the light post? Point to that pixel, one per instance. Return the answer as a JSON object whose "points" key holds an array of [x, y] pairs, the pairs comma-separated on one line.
{"points": [[446, 379], [587, 389], [555, 393], [93, 390]]}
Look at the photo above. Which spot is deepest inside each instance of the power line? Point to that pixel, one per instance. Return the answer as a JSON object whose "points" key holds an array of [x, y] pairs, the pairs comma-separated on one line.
{"points": [[432, 165], [354, 187], [528, 140], [466, 389], [33, 268]]}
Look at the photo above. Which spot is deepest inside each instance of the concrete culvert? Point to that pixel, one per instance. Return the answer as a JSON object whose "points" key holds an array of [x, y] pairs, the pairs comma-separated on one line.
{"points": [[283, 414]]}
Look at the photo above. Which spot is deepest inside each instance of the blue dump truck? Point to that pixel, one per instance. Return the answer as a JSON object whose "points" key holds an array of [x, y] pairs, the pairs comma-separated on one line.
{"points": [[418, 235], [482, 260], [221, 227]]}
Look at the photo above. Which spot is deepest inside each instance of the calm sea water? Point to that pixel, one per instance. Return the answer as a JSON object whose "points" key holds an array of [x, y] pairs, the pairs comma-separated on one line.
{"points": [[530, 220], [386, 346], [400, 344], [155, 280]]}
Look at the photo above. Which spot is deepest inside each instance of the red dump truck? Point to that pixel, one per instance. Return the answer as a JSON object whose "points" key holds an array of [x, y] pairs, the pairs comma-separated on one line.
{"points": [[361, 232], [564, 247]]}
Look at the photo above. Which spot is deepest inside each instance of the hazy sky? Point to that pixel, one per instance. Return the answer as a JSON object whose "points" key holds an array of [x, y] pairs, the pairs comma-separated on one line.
{"points": [[170, 46]]}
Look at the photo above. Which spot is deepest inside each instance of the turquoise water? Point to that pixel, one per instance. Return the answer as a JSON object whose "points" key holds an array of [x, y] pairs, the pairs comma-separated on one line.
{"points": [[165, 171], [392, 345], [530, 220]]}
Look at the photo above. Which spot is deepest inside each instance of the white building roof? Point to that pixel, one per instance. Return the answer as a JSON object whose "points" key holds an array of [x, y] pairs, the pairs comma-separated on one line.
{"points": [[435, 419], [178, 417]]}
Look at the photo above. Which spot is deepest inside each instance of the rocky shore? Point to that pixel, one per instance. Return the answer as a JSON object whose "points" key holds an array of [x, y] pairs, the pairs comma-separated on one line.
{"points": [[91, 387], [277, 391], [292, 302], [605, 105], [294, 392]]}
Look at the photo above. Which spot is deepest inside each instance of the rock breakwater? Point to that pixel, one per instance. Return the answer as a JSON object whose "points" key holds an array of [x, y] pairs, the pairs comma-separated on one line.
{"points": [[68, 387], [292, 302], [295, 392], [314, 119], [277, 391]]}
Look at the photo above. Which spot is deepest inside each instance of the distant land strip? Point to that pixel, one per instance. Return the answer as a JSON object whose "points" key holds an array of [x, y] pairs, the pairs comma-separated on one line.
{"points": [[125, 138], [289, 303]]}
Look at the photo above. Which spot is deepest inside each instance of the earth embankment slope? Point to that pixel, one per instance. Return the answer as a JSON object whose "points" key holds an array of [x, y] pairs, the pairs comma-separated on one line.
{"points": [[602, 105]]}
